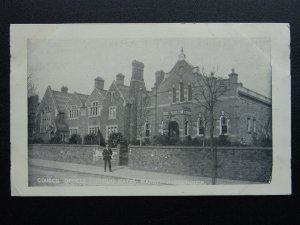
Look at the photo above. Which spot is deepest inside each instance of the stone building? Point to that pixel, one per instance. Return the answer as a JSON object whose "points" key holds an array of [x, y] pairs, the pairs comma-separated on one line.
{"points": [[172, 107], [240, 114], [51, 117], [117, 107]]}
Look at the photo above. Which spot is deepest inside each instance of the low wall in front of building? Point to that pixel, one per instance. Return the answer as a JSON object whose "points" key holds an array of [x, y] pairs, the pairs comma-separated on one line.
{"points": [[82, 154], [237, 163]]}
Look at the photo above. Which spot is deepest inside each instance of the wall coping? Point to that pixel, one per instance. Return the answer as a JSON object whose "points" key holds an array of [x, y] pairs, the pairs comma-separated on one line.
{"points": [[68, 145], [199, 147]]}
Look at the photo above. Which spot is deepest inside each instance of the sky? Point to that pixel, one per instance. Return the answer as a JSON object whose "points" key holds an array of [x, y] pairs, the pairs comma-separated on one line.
{"points": [[75, 63]]}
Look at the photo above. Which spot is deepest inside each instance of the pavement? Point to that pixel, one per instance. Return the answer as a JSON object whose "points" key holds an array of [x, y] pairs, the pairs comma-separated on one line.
{"points": [[123, 172]]}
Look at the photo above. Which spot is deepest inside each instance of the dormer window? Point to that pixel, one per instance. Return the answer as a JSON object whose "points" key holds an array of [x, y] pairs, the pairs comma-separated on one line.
{"points": [[112, 112], [112, 96]]}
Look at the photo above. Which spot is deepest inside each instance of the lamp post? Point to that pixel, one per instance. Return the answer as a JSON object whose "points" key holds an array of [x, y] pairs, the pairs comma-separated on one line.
{"points": [[99, 136]]}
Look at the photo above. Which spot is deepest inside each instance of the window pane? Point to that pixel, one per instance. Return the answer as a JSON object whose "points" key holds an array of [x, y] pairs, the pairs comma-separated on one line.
{"points": [[174, 95], [181, 90]]}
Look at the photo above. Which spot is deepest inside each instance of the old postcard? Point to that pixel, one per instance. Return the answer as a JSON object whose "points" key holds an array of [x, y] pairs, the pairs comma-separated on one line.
{"points": [[150, 109]]}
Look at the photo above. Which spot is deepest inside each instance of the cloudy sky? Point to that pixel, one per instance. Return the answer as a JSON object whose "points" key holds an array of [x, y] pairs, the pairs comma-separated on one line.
{"points": [[75, 63]]}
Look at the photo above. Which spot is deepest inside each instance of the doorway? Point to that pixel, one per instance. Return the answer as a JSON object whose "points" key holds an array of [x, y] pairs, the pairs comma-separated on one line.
{"points": [[173, 129]]}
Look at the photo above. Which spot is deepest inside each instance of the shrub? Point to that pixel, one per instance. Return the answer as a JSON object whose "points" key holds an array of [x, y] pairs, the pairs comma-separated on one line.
{"points": [[197, 142], [93, 139], [146, 141], [56, 139], [265, 142], [75, 139], [135, 142], [115, 139], [166, 140], [223, 141], [160, 140]]}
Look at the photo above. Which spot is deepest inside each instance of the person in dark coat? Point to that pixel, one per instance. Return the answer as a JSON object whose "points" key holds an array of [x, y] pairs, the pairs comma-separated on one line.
{"points": [[107, 153]]}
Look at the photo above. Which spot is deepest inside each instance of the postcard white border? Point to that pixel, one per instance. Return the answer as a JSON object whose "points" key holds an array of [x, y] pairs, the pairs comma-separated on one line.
{"points": [[281, 103]]}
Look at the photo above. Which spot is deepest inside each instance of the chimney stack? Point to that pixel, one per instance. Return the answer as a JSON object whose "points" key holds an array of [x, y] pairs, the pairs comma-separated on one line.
{"points": [[233, 77], [64, 89], [99, 83], [137, 70], [120, 79], [159, 77]]}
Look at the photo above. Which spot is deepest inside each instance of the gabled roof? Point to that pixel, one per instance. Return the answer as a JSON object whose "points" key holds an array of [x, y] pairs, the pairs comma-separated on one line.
{"points": [[245, 92], [82, 97], [182, 70], [61, 99], [124, 91], [102, 91]]}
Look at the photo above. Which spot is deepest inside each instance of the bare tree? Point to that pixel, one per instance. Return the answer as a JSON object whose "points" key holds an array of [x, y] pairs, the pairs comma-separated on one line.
{"points": [[31, 88], [207, 93], [144, 102]]}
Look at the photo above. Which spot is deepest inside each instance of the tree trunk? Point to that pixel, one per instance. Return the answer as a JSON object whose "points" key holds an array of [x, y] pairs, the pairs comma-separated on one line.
{"points": [[212, 149]]}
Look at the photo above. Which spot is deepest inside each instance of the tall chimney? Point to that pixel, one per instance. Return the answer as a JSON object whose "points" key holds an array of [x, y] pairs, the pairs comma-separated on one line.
{"points": [[233, 77], [99, 83], [159, 77], [120, 79], [137, 70], [64, 89]]}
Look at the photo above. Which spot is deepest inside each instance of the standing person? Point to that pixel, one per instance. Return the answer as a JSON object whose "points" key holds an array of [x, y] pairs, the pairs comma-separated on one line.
{"points": [[107, 153]]}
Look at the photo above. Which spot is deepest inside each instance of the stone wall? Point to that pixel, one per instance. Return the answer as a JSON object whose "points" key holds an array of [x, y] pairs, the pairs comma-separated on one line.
{"points": [[82, 154], [251, 164]]}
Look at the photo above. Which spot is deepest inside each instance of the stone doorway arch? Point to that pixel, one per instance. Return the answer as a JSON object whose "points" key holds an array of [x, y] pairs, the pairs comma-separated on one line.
{"points": [[173, 129]]}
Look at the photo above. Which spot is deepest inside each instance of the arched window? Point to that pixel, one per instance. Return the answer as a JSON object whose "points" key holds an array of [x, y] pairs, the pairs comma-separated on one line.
{"points": [[174, 94], [181, 92], [223, 125], [162, 128], [186, 128], [200, 126], [254, 126], [249, 125], [147, 129]]}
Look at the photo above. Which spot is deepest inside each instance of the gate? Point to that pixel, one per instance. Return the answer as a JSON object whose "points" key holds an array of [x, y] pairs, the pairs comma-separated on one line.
{"points": [[123, 154]]}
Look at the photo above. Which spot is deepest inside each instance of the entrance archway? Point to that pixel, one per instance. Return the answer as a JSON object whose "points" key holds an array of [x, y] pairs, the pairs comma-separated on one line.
{"points": [[173, 129]]}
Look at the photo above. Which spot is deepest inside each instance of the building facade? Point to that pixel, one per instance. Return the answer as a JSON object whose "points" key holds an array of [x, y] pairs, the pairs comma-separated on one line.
{"points": [[176, 106]]}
